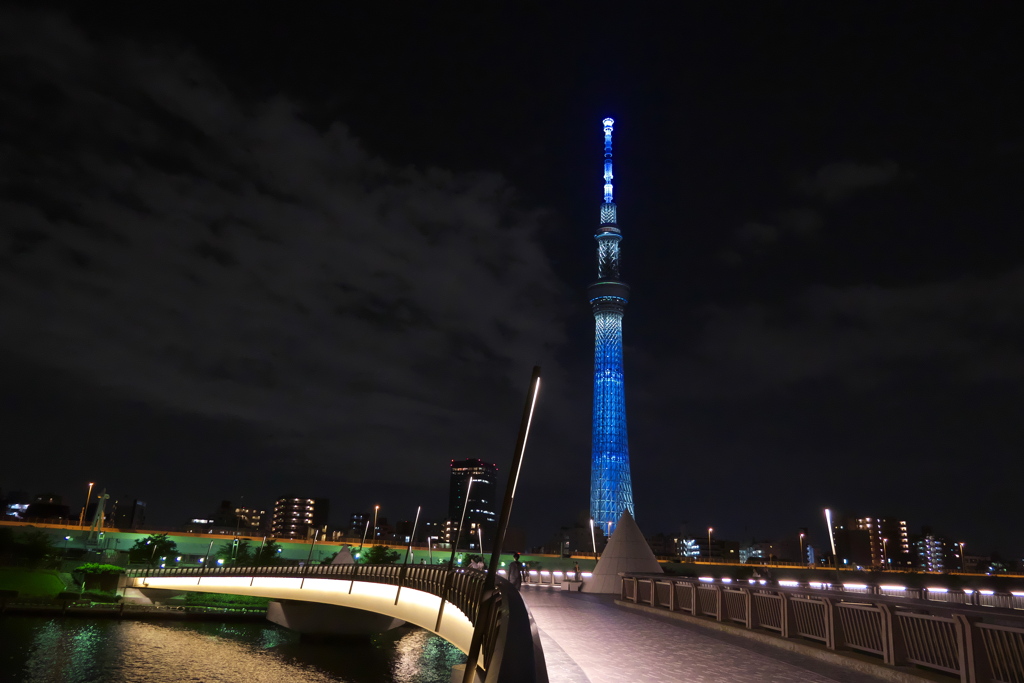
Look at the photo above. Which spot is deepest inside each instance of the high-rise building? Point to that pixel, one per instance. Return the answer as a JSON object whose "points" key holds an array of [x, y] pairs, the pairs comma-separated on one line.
{"points": [[888, 539], [252, 519], [298, 517], [480, 504], [611, 488], [933, 553]]}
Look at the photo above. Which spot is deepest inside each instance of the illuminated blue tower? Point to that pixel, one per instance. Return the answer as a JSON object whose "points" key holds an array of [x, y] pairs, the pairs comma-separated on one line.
{"points": [[611, 490]]}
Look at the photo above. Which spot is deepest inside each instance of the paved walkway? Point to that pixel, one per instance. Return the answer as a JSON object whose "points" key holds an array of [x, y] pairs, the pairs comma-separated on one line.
{"points": [[589, 639]]}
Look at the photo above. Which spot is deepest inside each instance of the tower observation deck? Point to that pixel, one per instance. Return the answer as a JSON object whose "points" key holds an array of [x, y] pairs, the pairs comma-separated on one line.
{"points": [[611, 488]]}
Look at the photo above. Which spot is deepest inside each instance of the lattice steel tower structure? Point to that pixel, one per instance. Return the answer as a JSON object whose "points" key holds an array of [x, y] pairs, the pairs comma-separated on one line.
{"points": [[611, 490]]}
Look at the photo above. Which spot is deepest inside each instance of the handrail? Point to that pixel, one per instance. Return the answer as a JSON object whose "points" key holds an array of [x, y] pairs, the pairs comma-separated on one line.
{"points": [[512, 650], [980, 640]]}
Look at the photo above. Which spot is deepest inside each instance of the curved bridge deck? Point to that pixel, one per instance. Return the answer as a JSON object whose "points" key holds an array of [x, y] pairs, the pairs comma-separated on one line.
{"points": [[588, 638]]}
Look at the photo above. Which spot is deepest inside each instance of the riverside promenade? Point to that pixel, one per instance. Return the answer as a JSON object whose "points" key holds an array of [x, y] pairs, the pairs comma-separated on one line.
{"points": [[589, 639]]}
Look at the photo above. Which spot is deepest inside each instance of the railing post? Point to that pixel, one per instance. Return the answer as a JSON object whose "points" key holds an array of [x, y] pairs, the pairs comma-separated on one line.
{"points": [[785, 611], [890, 640], [748, 605], [832, 625], [973, 659]]}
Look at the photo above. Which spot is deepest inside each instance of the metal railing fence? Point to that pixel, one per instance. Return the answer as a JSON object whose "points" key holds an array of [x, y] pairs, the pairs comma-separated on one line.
{"points": [[976, 636]]}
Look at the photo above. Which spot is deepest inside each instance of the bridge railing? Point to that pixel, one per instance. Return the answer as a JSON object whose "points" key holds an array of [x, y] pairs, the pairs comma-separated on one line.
{"points": [[978, 638], [511, 649]]}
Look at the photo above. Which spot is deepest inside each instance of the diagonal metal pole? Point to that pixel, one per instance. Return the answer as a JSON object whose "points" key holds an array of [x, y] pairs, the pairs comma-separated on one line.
{"points": [[451, 560], [486, 594], [408, 550]]}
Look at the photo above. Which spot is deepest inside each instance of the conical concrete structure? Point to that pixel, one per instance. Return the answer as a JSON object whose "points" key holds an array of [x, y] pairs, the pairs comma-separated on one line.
{"points": [[344, 556], [627, 551]]}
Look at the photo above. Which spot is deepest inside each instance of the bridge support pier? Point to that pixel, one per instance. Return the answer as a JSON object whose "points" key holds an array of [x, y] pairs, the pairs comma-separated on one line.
{"points": [[323, 620]]}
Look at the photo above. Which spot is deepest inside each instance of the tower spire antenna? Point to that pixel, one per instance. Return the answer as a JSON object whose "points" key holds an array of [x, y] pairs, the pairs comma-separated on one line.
{"points": [[609, 125], [611, 488]]}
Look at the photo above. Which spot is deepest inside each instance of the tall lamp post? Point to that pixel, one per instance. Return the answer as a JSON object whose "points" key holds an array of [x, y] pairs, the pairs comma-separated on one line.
{"points": [[832, 541], [963, 560], [487, 589], [365, 531], [885, 552], [803, 559], [88, 497], [376, 509], [709, 543], [462, 520]]}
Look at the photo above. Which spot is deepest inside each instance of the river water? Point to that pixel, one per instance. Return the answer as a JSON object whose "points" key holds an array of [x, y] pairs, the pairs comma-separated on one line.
{"points": [[74, 650]]}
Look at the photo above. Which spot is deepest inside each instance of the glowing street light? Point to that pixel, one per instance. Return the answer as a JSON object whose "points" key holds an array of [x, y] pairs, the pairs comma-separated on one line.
{"points": [[709, 543], [963, 560], [88, 497], [885, 552], [365, 531], [462, 520], [593, 539], [832, 540], [803, 559], [376, 509]]}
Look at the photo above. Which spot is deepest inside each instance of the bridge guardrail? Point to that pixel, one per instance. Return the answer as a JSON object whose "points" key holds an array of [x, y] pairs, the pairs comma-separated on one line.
{"points": [[511, 649], [976, 636]]}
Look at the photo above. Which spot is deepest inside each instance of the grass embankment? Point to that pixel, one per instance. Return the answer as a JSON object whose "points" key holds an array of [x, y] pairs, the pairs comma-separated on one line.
{"points": [[41, 583], [220, 601]]}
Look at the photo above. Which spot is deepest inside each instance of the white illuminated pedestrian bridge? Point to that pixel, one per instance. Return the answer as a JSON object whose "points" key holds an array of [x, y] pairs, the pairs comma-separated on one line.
{"points": [[448, 602]]}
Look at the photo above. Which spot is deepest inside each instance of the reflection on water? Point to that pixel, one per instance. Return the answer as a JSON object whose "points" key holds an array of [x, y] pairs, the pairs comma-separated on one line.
{"points": [[70, 650]]}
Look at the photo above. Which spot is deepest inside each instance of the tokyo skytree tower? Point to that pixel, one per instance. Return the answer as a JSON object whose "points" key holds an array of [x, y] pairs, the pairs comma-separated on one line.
{"points": [[611, 490]]}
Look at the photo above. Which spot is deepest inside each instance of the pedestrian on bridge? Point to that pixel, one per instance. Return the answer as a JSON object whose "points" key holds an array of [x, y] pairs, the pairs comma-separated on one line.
{"points": [[515, 571]]}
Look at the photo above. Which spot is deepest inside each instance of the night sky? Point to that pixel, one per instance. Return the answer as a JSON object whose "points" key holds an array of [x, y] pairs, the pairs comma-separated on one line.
{"points": [[316, 251]]}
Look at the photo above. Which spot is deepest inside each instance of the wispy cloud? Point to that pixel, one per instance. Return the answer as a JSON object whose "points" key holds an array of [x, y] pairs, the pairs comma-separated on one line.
{"points": [[840, 180]]}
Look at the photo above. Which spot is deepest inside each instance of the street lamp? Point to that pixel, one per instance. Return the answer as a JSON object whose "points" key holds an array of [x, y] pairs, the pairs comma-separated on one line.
{"points": [[365, 531], [462, 520], [803, 559], [88, 497], [963, 560], [65, 555], [709, 543], [376, 509], [832, 541], [885, 552], [593, 539]]}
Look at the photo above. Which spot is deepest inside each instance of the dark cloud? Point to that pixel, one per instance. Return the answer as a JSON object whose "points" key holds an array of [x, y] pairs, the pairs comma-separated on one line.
{"points": [[217, 256], [753, 234], [966, 332], [839, 180], [802, 221]]}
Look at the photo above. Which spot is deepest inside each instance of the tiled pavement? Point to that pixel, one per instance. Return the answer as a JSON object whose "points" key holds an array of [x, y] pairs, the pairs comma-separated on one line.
{"points": [[589, 638]]}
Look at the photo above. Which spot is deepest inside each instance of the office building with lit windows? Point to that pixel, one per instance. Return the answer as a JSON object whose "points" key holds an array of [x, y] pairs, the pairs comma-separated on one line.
{"points": [[296, 517], [479, 499], [888, 539]]}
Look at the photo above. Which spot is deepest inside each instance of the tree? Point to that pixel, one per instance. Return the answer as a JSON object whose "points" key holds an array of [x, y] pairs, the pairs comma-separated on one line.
{"points": [[268, 553], [240, 555], [150, 549], [379, 554], [36, 547]]}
